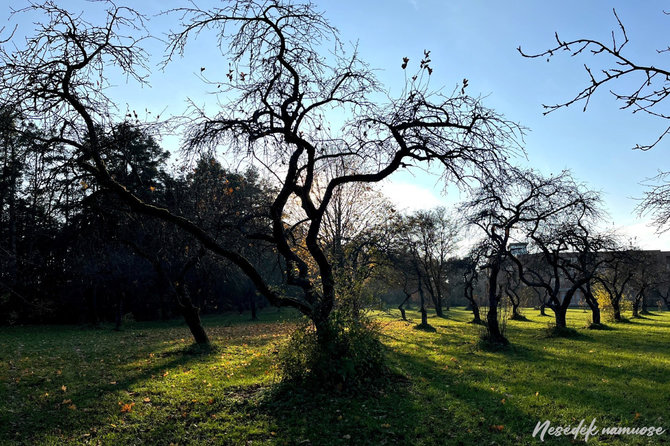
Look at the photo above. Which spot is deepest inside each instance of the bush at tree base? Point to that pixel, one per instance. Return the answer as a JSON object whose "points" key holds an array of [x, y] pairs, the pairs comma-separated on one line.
{"points": [[353, 358]]}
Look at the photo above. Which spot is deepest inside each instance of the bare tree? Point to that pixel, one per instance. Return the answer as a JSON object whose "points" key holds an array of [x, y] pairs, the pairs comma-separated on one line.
{"points": [[470, 267], [282, 90], [523, 204], [652, 81], [356, 237], [431, 237], [276, 102], [616, 278], [559, 274], [511, 286], [649, 91], [664, 293], [648, 275], [406, 256], [587, 259]]}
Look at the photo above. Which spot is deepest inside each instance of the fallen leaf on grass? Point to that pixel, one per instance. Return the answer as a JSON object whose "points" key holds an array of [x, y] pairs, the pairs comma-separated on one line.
{"points": [[496, 428], [127, 407]]}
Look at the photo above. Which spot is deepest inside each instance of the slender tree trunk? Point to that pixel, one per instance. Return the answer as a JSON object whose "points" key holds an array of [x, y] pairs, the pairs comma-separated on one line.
{"points": [[495, 334], [475, 312], [636, 306], [422, 298], [616, 308], [543, 307], [401, 307], [438, 307], [424, 313], [13, 267]]}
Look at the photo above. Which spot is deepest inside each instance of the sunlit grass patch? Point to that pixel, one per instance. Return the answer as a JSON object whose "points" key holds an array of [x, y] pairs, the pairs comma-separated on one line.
{"points": [[147, 385]]}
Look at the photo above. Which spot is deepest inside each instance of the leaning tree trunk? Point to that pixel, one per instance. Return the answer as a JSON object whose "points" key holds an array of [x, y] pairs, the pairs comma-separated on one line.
{"points": [[191, 315], [190, 312], [592, 302], [401, 307]]}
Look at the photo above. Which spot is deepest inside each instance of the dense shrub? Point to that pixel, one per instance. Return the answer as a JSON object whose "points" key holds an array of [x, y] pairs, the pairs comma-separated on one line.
{"points": [[353, 357]]}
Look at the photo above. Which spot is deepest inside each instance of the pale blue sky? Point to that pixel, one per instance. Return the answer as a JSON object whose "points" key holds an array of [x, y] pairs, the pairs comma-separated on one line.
{"points": [[477, 40]]}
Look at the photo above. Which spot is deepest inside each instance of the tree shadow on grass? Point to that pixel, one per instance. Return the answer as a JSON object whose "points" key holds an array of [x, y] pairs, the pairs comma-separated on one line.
{"points": [[74, 410], [418, 408]]}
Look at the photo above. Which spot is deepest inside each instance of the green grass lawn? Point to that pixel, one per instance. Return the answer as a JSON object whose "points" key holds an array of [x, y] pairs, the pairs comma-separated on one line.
{"points": [[144, 385]]}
